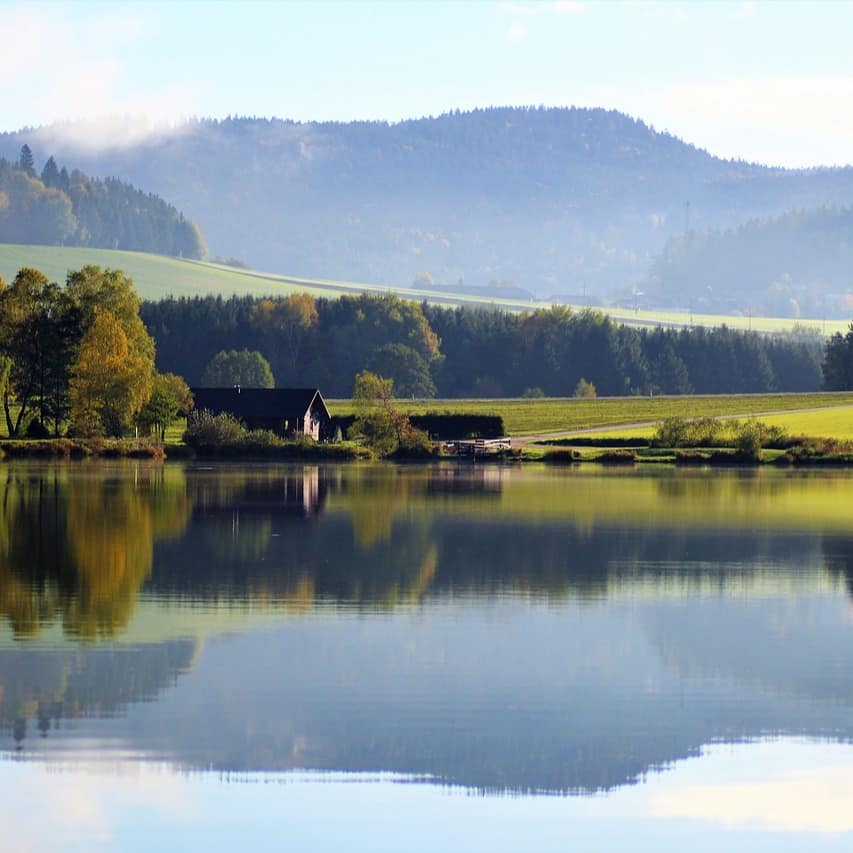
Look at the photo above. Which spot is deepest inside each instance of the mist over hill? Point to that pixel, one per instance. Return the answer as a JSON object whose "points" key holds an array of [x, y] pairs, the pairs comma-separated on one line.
{"points": [[558, 201]]}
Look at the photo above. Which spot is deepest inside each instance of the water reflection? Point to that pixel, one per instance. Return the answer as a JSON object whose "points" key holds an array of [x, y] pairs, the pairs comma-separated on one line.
{"points": [[78, 548], [495, 628]]}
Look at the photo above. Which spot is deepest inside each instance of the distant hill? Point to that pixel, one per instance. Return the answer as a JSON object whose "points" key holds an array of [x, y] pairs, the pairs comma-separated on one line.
{"points": [[571, 201], [549, 200], [798, 264], [56, 207]]}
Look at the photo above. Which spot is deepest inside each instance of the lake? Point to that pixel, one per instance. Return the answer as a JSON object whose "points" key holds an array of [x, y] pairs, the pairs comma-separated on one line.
{"points": [[446, 657]]}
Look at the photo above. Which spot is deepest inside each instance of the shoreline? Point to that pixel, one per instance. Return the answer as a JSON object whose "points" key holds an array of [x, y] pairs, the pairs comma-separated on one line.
{"points": [[64, 449]]}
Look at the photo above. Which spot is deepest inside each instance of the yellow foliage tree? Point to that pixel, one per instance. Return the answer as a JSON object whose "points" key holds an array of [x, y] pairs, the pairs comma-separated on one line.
{"points": [[111, 379]]}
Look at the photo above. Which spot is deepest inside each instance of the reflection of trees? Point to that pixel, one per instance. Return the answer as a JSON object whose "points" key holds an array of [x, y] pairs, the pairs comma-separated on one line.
{"points": [[52, 686], [838, 555], [79, 546], [394, 535]]}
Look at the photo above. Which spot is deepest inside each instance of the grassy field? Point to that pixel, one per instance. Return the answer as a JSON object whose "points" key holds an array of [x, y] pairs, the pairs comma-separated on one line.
{"points": [[831, 423], [525, 417], [157, 276]]}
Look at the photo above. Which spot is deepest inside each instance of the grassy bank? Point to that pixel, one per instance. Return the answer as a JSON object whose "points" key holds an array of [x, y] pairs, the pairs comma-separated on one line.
{"points": [[68, 448]]}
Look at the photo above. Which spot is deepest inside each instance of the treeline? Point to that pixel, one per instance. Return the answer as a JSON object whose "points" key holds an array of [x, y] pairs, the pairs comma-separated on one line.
{"points": [[789, 266], [59, 207], [838, 362], [434, 351]]}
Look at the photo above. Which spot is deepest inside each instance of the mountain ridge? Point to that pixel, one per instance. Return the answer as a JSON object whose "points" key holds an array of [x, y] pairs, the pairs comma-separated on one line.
{"points": [[568, 200]]}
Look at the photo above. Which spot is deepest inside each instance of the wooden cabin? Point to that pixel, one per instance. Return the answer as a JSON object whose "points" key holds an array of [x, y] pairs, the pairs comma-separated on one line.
{"points": [[285, 411]]}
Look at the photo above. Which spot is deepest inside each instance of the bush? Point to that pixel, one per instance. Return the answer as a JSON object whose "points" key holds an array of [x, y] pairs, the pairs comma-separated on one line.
{"points": [[261, 438], [416, 445], [671, 432], [617, 457], [584, 389], [36, 429], [561, 457], [705, 432], [376, 431], [204, 429], [690, 457], [751, 435]]}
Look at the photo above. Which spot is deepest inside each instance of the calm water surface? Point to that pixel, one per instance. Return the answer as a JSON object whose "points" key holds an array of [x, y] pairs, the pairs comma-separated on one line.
{"points": [[428, 658]]}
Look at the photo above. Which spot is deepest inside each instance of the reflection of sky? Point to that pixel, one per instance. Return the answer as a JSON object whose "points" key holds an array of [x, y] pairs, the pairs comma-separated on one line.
{"points": [[511, 694], [783, 795]]}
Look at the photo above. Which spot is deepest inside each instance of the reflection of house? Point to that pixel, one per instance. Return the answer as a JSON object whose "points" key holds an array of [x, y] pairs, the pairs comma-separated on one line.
{"points": [[286, 411]]}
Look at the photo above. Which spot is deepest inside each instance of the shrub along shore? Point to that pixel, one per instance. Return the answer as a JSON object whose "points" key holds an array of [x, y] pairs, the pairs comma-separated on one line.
{"points": [[793, 451]]}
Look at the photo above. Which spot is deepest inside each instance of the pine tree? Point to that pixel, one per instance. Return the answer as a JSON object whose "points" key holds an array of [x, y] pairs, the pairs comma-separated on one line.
{"points": [[50, 174], [26, 161]]}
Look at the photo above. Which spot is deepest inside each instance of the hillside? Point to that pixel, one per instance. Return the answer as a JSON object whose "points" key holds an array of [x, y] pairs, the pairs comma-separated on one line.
{"points": [[796, 264], [572, 202], [157, 277]]}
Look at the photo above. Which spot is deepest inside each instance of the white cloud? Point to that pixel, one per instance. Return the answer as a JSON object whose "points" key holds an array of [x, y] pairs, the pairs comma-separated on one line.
{"points": [[800, 801], [516, 32]]}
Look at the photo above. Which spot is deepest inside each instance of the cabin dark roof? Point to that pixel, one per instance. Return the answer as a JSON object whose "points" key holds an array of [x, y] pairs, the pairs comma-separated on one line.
{"points": [[267, 403]]}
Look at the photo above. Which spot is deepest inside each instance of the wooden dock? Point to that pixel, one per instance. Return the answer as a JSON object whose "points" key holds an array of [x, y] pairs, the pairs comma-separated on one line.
{"points": [[477, 447]]}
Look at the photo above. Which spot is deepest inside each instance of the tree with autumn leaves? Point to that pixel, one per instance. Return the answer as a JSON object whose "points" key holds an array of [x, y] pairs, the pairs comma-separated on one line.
{"points": [[79, 355]]}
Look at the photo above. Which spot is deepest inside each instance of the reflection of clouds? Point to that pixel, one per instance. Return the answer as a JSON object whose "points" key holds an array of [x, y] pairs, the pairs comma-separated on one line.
{"points": [[789, 787], [44, 807]]}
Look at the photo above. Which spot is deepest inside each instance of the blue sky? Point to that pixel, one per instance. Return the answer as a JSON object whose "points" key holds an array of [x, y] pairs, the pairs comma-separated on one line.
{"points": [[771, 82]]}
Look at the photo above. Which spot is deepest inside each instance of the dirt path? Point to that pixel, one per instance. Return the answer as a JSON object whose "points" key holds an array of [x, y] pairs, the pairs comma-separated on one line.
{"points": [[533, 438]]}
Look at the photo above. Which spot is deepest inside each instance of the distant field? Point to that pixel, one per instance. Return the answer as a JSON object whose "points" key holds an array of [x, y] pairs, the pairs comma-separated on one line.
{"points": [[157, 276], [831, 423], [525, 417]]}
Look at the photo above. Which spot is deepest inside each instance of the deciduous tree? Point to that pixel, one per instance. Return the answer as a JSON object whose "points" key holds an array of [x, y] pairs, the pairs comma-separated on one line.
{"points": [[110, 381], [170, 398], [247, 368]]}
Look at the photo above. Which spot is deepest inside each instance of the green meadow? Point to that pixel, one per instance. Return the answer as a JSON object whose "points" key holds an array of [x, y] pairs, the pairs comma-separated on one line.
{"points": [[526, 417], [157, 276]]}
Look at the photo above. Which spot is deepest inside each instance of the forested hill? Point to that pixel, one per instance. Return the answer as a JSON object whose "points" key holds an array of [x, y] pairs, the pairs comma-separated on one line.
{"points": [[557, 201], [55, 207], [787, 266]]}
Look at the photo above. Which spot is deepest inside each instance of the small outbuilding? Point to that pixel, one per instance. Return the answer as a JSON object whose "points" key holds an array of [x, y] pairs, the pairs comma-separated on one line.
{"points": [[285, 411]]}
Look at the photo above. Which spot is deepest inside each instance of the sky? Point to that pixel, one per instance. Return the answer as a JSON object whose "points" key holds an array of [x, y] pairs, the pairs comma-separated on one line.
{"points": [[770, 82]]}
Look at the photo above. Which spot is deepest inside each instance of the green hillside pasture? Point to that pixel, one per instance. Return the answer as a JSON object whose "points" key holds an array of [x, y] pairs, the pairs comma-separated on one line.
{"points": [[157, 276], [529, 417]]}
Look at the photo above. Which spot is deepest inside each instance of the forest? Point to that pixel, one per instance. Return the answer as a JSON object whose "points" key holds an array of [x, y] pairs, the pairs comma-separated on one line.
{"points": [[58, 207], [460, 352]]}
